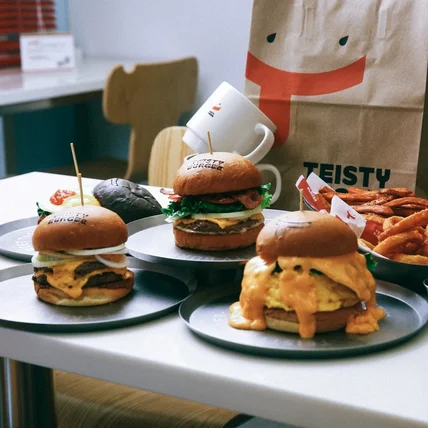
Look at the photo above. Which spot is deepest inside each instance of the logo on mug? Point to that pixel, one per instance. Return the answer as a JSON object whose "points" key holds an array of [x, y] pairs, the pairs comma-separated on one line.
{"points": [[217, 107]]}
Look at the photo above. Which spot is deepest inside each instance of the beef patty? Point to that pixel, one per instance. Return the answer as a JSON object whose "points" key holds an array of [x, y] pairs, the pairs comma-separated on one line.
{"points": [[105, 279], [205, 226]]}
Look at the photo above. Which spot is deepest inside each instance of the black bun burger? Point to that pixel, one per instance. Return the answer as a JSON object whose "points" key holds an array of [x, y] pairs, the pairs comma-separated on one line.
{"points": [[81, 257], [129, 200], [217, 202], [307, 278]]}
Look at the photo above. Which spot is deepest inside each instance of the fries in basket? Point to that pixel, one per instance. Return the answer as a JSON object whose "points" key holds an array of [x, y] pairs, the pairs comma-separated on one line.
{"points": [[401, 217]]}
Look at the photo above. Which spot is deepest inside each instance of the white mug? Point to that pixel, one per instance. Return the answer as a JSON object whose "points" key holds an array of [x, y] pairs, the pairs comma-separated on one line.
{"points": [[235, 125], [261, 167]]}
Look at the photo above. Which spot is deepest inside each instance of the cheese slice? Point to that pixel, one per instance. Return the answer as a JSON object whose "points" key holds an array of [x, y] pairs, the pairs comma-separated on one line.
{"points": [[221, 222], [63, 278]]}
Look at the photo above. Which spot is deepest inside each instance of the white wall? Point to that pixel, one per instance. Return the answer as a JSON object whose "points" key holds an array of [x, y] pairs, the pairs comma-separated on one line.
{"points": [[216, 32]]}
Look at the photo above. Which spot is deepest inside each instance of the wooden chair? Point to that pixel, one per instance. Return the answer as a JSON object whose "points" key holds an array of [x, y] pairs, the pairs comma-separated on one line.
{"points": [[149, 98], [83, 402], [167, 154]]}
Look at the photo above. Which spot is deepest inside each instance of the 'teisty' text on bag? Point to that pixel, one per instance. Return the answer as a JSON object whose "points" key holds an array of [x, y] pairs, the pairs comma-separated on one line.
{"points": [[349, 175]]}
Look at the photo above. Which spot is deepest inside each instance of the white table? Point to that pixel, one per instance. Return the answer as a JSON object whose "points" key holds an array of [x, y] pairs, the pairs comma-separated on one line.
{"points": [[386, 389], [22, 88], [34, 91]]}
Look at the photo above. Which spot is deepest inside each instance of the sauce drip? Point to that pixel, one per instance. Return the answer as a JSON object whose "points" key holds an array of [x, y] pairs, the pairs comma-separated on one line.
{"points": [[298, 290]]}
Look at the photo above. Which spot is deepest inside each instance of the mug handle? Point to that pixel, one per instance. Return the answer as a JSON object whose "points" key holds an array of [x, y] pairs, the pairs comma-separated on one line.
{"points": [[278, 186], [263, 148]]}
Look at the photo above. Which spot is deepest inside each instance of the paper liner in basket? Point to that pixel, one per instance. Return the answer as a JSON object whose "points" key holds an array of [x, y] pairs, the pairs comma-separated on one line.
{"points": [[363, 228]]}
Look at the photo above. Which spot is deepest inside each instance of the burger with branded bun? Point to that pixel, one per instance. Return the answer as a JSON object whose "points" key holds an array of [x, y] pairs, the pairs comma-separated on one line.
{"points": [[307, 278], [80, 259], [217, 202]]}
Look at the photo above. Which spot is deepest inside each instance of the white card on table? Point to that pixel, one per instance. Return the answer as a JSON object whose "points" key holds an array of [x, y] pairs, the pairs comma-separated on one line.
{"points": [[47, 51]]}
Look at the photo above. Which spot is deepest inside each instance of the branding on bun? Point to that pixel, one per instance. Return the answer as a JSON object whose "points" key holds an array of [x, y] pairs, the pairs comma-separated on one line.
{"points": [[307, 278], [217, 202], [207, 164], [70, 217]]}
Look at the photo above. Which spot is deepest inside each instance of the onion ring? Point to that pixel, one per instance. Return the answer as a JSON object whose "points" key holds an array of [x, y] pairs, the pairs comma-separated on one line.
{"points": [[390, 221], [415, 220], [394, 243]]}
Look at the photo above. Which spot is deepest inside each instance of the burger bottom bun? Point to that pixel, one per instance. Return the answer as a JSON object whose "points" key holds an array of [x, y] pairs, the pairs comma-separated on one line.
{"points": [[278, 319], [91, 296], [205, 242]]}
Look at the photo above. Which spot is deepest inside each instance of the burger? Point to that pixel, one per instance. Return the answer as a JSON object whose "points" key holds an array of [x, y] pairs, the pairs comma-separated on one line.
{"points": [[307, 278], [217, 202], [80, 259], [129, 200]]}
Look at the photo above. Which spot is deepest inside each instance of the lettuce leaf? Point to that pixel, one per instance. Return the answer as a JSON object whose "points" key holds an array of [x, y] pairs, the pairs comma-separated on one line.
{"points": [[40, 211], [192, 205], [370, 262]]}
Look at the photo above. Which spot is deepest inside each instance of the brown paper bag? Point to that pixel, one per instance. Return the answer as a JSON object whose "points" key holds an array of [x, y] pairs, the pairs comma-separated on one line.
{"points": [[344, 82]]}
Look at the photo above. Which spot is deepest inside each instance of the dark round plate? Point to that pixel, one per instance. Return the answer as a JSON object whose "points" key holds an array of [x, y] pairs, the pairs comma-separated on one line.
{"points": [[15, 239], [152, 239], [157, 291], [206, 314]]}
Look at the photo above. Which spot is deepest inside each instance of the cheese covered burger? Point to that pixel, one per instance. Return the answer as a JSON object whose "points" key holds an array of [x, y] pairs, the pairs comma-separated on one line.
{"points": [[81, 257], [308, 277], [217, 202]]}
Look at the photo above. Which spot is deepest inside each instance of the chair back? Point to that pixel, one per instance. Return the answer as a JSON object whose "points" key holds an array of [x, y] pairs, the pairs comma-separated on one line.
{"points": [[166, 157], [149, 98]]}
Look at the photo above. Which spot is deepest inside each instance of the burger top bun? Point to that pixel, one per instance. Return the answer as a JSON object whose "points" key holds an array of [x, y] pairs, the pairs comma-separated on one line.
{"points": [[127, 199], [79, 228], [305, 234], [216, 173]]}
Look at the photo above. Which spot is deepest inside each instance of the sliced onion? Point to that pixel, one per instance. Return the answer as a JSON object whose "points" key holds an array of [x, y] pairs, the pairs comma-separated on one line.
{"points": [[111, 264], [119, 249], [41, 262], [236, 214], [53, 255]]}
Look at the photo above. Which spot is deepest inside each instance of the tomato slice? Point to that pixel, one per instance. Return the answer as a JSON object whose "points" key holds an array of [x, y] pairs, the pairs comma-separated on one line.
{"points": [[58, 197]]}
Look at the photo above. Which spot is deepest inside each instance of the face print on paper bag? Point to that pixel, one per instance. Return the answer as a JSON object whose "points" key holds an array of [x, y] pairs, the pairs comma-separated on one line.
{"points": [[324, 61]]}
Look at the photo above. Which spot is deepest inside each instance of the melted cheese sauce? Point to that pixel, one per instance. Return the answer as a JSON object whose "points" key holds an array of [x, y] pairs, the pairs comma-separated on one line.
{"points": [[221, 222], [330, 295], [297, 289], [64, 279]]}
